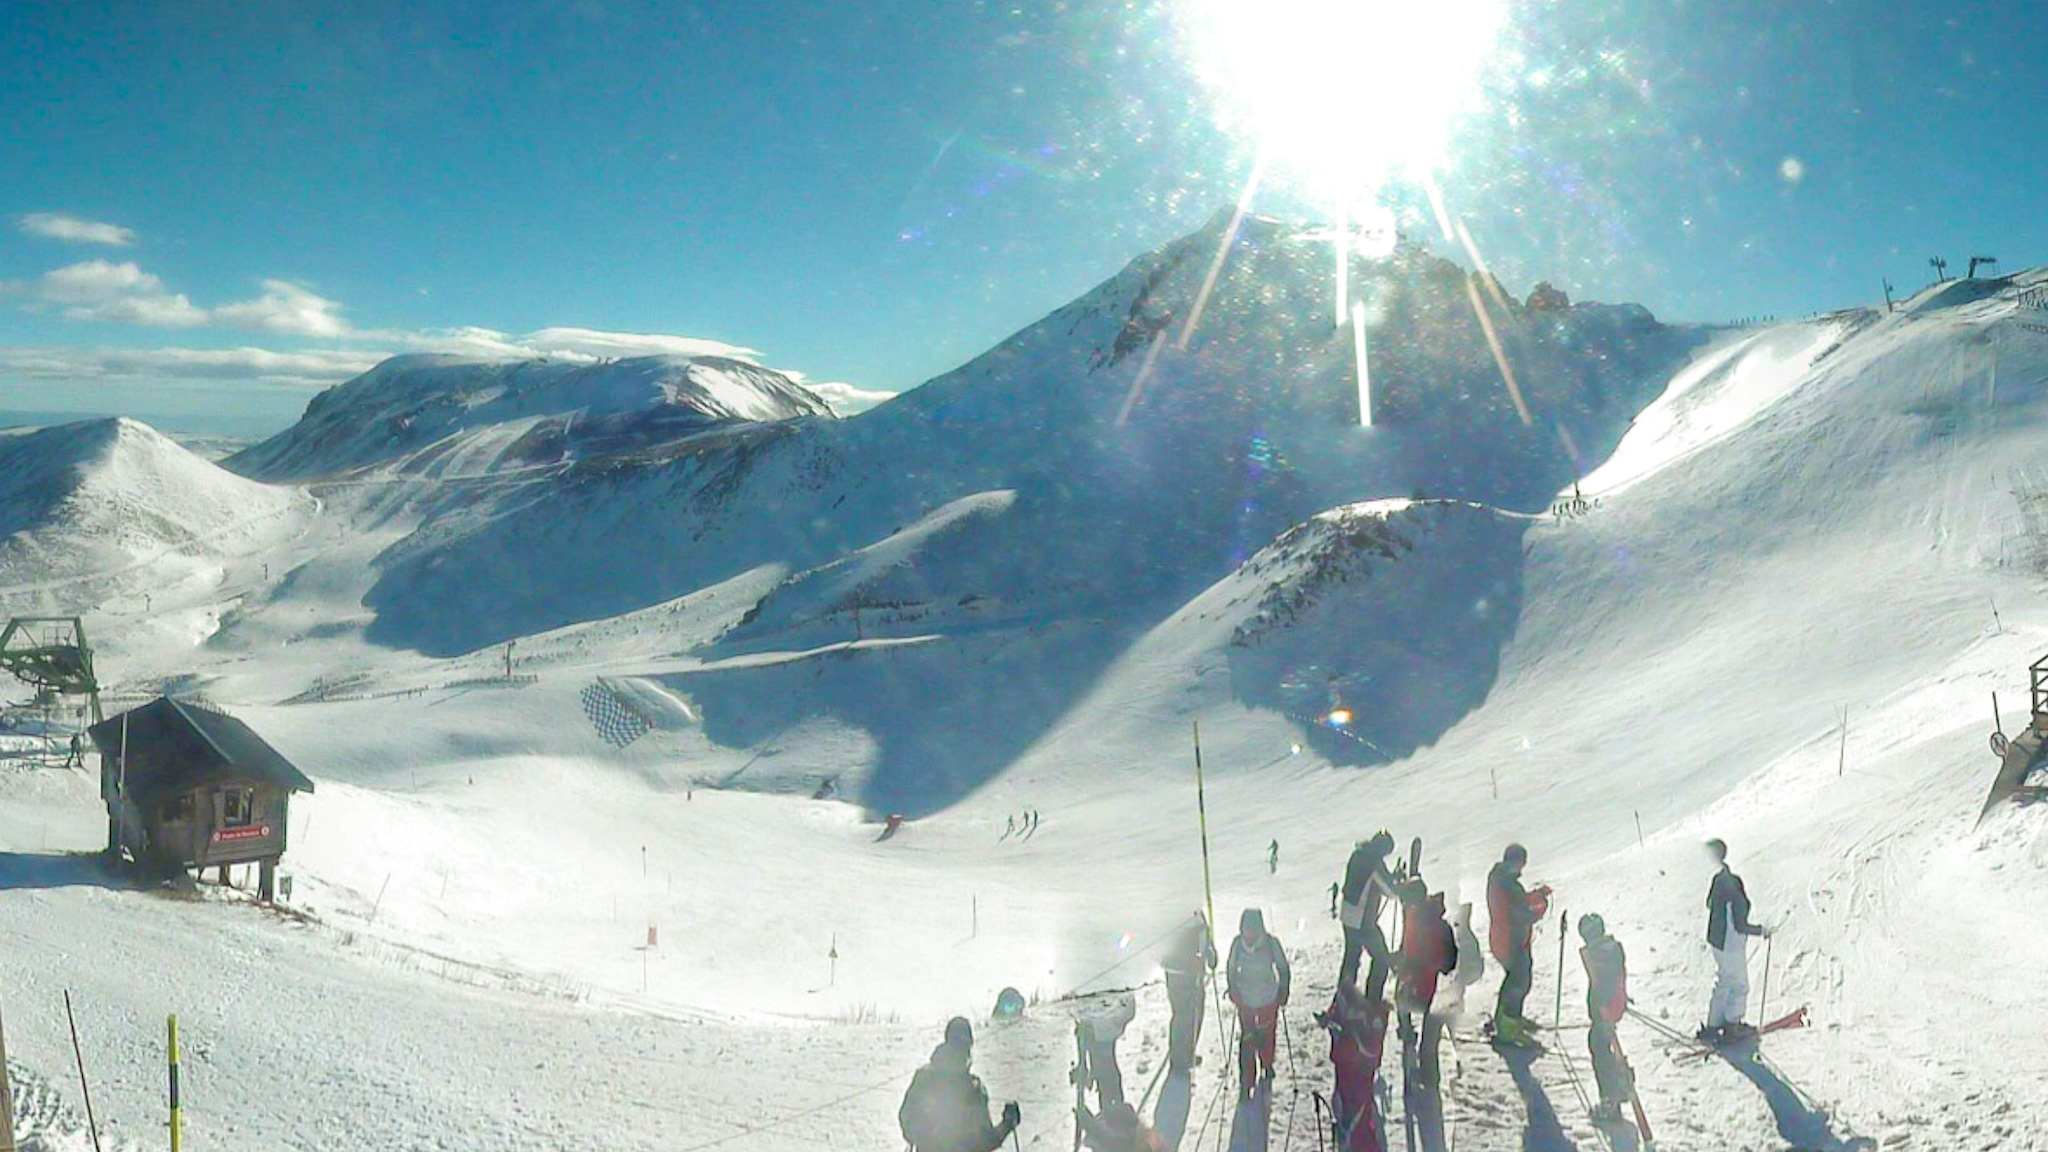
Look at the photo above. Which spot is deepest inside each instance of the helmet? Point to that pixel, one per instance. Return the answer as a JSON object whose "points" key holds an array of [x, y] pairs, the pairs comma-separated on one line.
{"points": [[959, 1032], [1516, 855], [1592, 927]]}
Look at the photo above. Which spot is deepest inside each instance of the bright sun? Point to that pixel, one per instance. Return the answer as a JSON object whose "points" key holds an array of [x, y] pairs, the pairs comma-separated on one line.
{"points": [[1342, 95]]}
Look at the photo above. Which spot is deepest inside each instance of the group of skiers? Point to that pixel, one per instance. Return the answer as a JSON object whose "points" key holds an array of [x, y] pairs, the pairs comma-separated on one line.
{"points": [[946, 1109]]}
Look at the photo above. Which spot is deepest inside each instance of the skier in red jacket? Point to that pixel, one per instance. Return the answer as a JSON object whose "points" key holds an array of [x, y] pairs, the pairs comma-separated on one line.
{"points": [[1514, 914]]}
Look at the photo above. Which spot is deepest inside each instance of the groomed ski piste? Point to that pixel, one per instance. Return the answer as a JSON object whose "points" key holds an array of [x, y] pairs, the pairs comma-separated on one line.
{"points": [[1019, 588]]}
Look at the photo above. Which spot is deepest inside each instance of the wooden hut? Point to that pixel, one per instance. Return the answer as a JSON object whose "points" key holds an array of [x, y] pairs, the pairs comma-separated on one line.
{"points": [[187, 786]]}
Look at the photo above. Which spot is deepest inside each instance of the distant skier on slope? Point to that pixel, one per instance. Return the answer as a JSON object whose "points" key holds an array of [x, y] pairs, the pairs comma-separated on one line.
{"points": [[1258, 981], [1101, 1024], [1189, 960], [1273, 858], [1728, 930], [946, 1107], [1606, 1002], [1358, 1037], [1365, 882], [1429, 949], [1513, 914]]}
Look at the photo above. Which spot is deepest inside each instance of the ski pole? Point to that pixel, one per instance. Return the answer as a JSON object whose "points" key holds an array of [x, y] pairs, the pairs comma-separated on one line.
{"points": [[1764, 1000], [1563, 930]]}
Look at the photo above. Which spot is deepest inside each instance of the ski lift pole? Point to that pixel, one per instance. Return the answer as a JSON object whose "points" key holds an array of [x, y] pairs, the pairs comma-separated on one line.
{"points": [[1208, 887]]}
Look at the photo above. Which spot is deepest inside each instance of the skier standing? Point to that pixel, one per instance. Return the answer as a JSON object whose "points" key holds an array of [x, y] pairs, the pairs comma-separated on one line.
{"points": [[946, 1107], [1365, 881], [1728, 930], [1258, 981], [1101, 1025], [1513, 914], [1606, 1002], [1429, 949], [1190, 958]]}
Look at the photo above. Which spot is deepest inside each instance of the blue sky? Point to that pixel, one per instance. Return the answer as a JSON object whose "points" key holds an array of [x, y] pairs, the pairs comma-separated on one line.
{"points": [[223, 206]]}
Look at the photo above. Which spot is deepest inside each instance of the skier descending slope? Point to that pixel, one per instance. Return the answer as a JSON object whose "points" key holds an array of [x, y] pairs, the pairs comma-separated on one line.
{"points": [[1728, 930], [1513, 914], [1358, 1037], [1258, 981], [1606, 1002], [1365, 882], [946, 1108], [1190, 958]]}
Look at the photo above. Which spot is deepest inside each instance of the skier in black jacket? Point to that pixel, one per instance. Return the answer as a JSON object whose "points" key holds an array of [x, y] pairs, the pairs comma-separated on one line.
{"points": [[1728, 932], [946, 1108], [1365, 882]]}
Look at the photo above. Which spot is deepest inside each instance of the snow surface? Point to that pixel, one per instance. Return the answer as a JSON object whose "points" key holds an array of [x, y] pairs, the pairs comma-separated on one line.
{"points": [[1773, 526]]}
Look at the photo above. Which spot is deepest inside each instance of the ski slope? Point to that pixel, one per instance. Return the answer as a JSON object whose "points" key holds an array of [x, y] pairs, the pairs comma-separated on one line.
{"points": [[1790, 522]]}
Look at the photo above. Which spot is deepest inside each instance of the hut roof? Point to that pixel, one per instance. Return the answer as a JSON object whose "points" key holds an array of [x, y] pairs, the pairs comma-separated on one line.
{"points": [[173, 745]]}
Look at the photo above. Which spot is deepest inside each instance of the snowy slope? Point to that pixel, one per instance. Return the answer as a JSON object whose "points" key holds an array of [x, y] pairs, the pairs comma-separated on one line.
{"points": [[449, 415], [83, 505], [1801, 519]]}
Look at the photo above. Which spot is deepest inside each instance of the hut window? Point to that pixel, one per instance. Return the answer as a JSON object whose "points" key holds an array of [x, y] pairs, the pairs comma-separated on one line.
{"points": [[237, 807]]}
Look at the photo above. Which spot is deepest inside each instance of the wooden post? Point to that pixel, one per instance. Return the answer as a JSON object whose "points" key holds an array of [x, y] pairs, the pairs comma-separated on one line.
{"points": [[266, 879], [6, 1099], [1639, 829], [177, 1117]]}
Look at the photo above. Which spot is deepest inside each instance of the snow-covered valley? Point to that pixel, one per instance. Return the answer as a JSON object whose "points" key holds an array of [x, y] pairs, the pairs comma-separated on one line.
{"points": [[1751, 583]]}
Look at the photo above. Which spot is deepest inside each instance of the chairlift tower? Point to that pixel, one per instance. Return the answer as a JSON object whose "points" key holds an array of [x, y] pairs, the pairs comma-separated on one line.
{"points": [[51, 655]]}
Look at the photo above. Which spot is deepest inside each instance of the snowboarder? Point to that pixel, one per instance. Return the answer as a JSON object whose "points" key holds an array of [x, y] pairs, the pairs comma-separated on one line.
{"points": [[1100, 1025], [1429, 949], [1606, 1002], [1273, 858], [946, 1107], [1513, 914], [1728, 930], [1117, 1129], [1358, 1037], [1190, 958], [1365, 882], [1258, 981]]}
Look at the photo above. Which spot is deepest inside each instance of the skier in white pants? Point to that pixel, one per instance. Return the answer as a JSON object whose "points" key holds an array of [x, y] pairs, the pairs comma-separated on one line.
{"points": [[1728, 933]]}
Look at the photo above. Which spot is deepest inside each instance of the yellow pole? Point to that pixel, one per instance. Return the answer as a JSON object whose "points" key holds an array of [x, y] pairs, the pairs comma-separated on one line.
{"points": [[177, 1133]]}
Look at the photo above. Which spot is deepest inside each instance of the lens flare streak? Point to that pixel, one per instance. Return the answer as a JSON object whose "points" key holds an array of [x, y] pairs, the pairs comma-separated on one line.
{"points": [[1364, 366], [1244, 206]]}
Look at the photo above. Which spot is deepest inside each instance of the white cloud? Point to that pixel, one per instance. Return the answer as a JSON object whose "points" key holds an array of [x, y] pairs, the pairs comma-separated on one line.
{"points": [[104, 290], [590, 342], [306, 369], [844, 398], [287, 309], [59, 226]]}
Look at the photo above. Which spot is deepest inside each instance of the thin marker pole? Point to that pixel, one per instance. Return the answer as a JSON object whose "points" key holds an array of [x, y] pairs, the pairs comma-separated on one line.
{"points": [[1563, 924], [1208, 888], [177, 1117], [84, 1088], [6, 1099]]}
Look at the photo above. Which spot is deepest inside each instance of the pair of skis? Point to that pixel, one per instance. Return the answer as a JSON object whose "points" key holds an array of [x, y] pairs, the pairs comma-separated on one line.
{"points": [[1692, 1048]]}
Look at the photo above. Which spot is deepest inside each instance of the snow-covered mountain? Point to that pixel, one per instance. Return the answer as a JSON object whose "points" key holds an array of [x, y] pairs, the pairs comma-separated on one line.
{"points": [[83, 505], [1798, 561], [442, 415]]}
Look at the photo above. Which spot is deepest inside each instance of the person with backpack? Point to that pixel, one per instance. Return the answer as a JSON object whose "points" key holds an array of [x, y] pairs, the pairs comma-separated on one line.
{"points": [[1513, 913], [1606, 1002], [1728, 933], [946, 1107], [1429, 950], [1365, 881], [1258, 981], [1358, 1039], [1189, 960]]}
